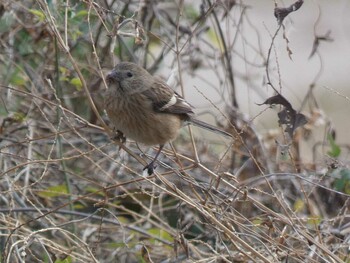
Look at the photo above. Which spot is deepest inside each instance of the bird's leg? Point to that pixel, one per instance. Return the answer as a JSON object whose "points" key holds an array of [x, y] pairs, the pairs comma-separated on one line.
{"points": [[150, 167], [119, 136]]}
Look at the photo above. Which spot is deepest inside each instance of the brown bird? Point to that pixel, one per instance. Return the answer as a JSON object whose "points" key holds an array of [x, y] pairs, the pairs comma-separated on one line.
{"points": [[145, 109]]}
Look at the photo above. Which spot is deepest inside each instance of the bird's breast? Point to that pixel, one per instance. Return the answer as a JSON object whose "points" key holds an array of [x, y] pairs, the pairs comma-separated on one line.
{"points": [[136, 118]]}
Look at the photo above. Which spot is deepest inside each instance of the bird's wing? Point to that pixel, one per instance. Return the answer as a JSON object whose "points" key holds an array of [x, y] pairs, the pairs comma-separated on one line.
{"points": [[164, 99]]}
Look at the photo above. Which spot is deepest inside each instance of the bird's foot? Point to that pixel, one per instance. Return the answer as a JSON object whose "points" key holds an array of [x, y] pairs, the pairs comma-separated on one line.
{"points": [[150, 168], [119, 136]]}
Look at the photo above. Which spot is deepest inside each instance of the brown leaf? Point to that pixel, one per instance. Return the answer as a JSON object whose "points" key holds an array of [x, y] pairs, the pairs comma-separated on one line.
{"points": [[277, 99], [281, 12], [287, 116], [291, 119]]}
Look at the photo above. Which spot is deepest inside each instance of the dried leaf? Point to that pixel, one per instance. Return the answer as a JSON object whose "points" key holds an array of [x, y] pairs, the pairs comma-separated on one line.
{"points": [[287, 116], [278, 99], [281, 12]]}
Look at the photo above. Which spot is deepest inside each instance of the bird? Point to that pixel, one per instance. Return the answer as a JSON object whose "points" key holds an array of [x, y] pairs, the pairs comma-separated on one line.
{"points": [[142, 107]]}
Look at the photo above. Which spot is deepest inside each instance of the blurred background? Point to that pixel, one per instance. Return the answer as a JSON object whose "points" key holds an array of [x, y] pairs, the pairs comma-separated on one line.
{"points": [[327, 69]]}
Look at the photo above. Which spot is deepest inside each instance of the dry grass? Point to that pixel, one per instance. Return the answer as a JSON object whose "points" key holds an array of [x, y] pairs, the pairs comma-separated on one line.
{"points": [[71, 194]]}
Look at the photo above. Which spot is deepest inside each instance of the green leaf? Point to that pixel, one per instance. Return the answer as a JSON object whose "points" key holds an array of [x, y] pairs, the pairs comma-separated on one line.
{"points": [[92, 189], [78, 206], [335, 149], [299, 205], [76, 82], [6, 22], [257, 221], [75, 34], [17, 80], [19, 116], [66, 260], [54, 191], [25, 43], [191, 12], [63, 70], [38, 13], [312, 221], [343, 183], [115, 245], [161, 233], [215, 39], [81, 13]]}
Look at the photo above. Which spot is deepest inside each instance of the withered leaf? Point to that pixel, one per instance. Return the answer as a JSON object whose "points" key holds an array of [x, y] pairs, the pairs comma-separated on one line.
{"points": [[277, 99], [287, 116], [291, 119], [281, 12]]}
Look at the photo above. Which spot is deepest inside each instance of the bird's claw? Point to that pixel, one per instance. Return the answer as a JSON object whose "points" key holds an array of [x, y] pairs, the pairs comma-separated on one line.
{"points": [[119, 136], [150, 168]]}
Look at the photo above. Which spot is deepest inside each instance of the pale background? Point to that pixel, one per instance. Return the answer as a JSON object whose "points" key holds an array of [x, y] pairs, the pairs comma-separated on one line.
{"points": [[333, 63]]}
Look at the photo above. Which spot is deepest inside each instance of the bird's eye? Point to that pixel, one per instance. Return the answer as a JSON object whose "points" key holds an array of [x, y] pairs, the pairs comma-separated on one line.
{"points": [[129, 74]]}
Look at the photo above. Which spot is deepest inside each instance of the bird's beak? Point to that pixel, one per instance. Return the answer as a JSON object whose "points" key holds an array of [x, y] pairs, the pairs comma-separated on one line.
{"points": [[114, 76]]}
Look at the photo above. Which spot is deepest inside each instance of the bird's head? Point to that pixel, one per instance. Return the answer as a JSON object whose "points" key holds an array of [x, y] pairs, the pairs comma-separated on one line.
{"points": [[129, 78]]}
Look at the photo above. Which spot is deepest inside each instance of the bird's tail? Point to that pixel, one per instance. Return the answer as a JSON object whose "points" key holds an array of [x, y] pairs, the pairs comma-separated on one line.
{"points": [[209, 127]]}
